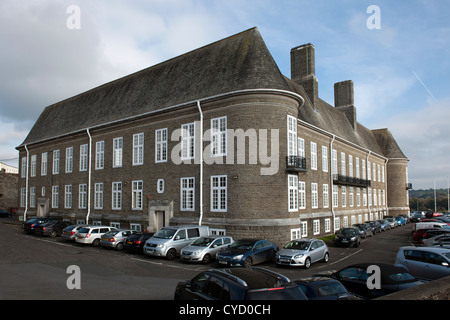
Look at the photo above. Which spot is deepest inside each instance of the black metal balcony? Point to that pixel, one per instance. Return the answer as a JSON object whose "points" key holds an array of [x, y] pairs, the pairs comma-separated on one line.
{"points": [[296, 164], [351, 181]]}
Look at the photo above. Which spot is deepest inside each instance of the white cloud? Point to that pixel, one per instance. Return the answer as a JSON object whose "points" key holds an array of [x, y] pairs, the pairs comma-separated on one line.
{"points": [[423, 137]]}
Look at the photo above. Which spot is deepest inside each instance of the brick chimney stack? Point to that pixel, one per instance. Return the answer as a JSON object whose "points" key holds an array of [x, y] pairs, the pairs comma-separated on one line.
{"points": [[344, 100], [303, 70]]}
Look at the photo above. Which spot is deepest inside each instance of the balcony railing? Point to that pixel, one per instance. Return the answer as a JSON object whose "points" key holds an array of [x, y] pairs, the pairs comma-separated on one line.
{"points": [[350, 181], [296, 164]]}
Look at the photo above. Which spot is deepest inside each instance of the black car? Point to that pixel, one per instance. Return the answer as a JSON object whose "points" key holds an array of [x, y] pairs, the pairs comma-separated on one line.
{"points": [[135, 242], [239, 284], [375, 225], [356, 278], [51, 228], [30, 224], [5, 214], [348, 237], [323, 288]]}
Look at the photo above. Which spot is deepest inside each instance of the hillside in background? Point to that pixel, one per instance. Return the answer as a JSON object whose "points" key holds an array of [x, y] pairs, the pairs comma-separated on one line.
{"points": [[423, 200]]}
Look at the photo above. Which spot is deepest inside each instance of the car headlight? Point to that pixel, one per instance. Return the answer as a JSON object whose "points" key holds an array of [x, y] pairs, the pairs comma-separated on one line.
{"points": [[161, 245], [238, 257], [353, 238], [196, 253], [298, 256]]}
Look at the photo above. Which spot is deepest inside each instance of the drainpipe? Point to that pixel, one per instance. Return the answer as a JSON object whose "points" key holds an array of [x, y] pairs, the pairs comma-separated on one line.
{"points": [[26, 186], [201, 163], [369, 170], [385, 187], [89, 177], [331, 179]]}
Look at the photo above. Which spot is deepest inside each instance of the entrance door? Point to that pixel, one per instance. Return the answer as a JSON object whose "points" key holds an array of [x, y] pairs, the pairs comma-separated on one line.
{"points": [[160, 219]]}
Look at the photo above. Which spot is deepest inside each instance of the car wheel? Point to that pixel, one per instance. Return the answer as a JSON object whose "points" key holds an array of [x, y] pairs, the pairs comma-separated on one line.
{"points": [[248, 262], [96, 243], [206, 259], [119, 246], [171, 254], [326, 257], [307, 263], [356, 245], [53, 234]]}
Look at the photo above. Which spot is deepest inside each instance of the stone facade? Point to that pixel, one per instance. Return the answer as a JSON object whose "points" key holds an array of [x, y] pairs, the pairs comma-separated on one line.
{"points": [[260, 159]]}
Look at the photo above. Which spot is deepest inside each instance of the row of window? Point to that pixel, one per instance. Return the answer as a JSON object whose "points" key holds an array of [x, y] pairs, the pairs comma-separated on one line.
{"points": [[218, 143], [302, 232], [297, 195], [356, 166], [187, 195]]}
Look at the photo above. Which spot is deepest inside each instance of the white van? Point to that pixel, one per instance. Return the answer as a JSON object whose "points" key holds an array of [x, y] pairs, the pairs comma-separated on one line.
{"points": [[169, 241], [428, 225]]}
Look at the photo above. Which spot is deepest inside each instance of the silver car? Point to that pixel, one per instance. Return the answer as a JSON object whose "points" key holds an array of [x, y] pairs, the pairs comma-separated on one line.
{"points": [[427, 263], [442, 240], [70, 232], [116, 238], [302, 252], [205, 249]]}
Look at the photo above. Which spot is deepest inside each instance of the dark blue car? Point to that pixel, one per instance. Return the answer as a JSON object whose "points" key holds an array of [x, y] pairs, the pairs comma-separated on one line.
{"points": [[247, 252]]}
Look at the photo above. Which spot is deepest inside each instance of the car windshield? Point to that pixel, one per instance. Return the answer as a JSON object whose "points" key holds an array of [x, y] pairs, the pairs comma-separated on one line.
{"points": [[347, 231], [401, 277], [111, 233], [330, 289], [165, 233], [298, 245], [243, 244], [203, 242]]}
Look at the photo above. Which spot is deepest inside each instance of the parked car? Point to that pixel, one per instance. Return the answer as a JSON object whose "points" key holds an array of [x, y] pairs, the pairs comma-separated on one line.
{"points": [[323, 288], [205, 249], [348, 237], [116, 238], [302, 252], [392, 222], [442, 240], [247, 252], [428, 263], [30, 224], [51, 228], [385, 225], [169, 241], [5, 214], [238, 284], [364, 229], [417, 216], [421, 233], [440, 219], [135, 242], [392, 279], [400, 220], [92, 234], [70, 231], [376, 226]]}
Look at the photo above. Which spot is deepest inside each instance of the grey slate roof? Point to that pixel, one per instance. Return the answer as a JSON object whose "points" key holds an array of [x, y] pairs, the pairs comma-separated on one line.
{"points": [[235, 63]]}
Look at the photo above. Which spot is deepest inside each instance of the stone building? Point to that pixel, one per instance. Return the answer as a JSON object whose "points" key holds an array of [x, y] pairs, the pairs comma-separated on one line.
{"points": [[217, 136]]}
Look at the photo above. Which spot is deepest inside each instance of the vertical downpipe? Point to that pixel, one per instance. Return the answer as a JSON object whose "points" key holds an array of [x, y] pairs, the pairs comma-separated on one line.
{"points": [[201, 163], [89, 177], [26, 186], [331, 180]]}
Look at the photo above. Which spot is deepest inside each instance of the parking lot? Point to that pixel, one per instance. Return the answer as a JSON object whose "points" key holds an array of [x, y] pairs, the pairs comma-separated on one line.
{"points": [[33, 267]]}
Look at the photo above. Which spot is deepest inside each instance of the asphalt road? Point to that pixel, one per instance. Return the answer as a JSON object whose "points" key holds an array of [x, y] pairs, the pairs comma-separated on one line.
{"points": [[36, 268]]}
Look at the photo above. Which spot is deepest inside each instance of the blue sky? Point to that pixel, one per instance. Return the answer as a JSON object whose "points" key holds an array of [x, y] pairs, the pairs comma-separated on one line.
{"points": [[400, 71]]}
